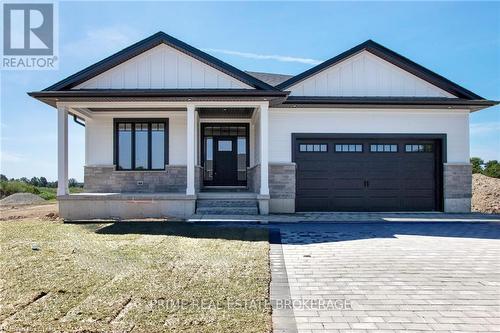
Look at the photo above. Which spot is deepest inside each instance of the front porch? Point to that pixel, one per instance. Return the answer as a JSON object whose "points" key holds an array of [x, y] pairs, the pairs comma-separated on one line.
{"points": [[216, 146]]}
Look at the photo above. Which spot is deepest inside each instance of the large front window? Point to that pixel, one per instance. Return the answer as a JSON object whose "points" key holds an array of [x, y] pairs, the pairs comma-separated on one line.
{"points": [[141, 144]]}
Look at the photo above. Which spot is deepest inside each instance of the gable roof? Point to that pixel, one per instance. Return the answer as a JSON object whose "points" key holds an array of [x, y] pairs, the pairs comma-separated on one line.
{"points": [[270, 78], [147, 44], [393, 58]]}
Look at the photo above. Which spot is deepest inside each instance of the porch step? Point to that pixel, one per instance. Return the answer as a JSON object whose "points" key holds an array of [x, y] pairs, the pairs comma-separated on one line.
{"points": [[227, 207]]}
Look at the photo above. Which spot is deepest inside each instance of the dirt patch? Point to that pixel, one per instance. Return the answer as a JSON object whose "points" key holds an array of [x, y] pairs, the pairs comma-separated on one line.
{"points": [[21, 199], [47, 211], [485, 194]]}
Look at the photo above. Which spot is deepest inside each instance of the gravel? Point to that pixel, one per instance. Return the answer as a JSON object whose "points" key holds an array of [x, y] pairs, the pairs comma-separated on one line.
{"points": [[485, 194], [21, 199]]}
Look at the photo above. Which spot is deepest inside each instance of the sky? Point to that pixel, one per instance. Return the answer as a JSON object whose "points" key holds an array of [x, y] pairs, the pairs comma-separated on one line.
{"points": [[458, 40]]}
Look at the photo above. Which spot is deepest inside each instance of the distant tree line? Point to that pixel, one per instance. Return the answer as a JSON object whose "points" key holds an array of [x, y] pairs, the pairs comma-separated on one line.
{"points": [[490, 168], [40, 181]]}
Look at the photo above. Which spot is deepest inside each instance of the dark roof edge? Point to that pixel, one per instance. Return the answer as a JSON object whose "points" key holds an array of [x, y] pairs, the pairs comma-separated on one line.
{"points": [[395, 59], [388, 100], [157, 93], [306, 101], [147, 44]]}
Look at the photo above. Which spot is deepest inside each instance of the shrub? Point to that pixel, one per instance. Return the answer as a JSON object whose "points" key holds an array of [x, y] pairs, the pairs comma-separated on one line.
{"points": [[477, 165], [10, 187], [492, 169]]}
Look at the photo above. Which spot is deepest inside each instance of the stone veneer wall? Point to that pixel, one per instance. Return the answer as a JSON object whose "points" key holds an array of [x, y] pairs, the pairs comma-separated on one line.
{"points": [[105, 179], [281, 186], [457, 184], [253, 178], [282, 180]]}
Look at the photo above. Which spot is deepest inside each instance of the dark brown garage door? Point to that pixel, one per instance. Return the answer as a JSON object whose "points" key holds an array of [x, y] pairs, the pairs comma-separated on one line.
{"points": [[367, 174]]}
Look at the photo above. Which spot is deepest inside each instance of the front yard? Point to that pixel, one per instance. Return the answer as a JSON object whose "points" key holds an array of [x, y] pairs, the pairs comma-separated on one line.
{"points": [[131, 277]]}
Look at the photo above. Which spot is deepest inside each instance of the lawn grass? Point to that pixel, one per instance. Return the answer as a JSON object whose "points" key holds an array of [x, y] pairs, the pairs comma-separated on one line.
{"points": [[123, 277], [50, 193]]}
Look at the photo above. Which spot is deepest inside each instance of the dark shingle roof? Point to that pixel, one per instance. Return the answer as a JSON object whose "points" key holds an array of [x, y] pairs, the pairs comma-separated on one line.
{"points": [[270, 78]]}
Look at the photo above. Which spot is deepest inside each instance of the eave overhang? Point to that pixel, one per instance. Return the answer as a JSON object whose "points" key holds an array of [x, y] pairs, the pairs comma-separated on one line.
{"points": [[52, 97], [386, 102]]}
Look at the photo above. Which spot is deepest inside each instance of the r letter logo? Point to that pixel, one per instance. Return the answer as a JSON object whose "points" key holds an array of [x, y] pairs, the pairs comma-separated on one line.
{"points": [[29, 36]]}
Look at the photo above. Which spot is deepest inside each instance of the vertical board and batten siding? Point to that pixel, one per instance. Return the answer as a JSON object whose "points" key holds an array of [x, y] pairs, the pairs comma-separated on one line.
{"points": [[163, 67], [284, 122], [366, 75], [99, 137]]}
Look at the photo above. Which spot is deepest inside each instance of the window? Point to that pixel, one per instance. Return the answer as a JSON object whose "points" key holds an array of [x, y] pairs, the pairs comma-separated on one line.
{"points": [[313, 148], [349, 148], [225, 145], [384, 148], [141, 144], [242, 158], [418, 148]]}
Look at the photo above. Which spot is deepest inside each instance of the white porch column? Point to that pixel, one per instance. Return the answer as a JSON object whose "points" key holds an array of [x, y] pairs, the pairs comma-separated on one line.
{"points": [[190, 149], [264, 149], [62, 150]]}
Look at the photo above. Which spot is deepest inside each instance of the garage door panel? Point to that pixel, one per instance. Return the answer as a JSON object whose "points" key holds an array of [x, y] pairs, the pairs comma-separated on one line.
{"points": [[384, 184], [368, 180], [348, 204], [383, 204], [313, 204], [348, 183]]}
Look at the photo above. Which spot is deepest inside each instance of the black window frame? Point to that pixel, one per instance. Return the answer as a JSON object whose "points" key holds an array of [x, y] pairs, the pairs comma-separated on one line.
{"points": [[383, 151], [313, 144], [348, 151], [133, 121], [424, 145]]}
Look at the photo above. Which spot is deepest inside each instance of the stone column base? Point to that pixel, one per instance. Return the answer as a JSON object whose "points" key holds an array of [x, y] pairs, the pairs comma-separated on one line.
{"points": [[457, 186]]}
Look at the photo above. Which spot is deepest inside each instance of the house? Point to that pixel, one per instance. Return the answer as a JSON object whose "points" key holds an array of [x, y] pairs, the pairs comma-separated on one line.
{"points": [[171, 130]]}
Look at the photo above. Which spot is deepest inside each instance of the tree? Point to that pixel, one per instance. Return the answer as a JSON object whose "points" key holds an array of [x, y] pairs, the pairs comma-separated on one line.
{"points": [[72, 182], [34, 181], [3, 177], [24, 180], [492, 169], [42, 181], [477, 165]]}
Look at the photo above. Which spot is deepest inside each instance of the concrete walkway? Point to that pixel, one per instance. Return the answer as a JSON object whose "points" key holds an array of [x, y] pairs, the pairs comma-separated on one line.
{"points": [[389, 277], [349, 217]]}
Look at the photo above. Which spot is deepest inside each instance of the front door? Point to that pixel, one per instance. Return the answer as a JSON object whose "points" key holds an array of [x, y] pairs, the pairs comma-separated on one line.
{"points": [[225, 161]]}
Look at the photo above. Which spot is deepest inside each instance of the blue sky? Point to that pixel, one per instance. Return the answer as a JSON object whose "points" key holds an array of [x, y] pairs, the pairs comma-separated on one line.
{"points": [[459, 40]]}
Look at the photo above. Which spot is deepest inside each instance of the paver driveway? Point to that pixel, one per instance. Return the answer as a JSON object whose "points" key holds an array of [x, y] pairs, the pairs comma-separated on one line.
{"points": [[396, 276]]}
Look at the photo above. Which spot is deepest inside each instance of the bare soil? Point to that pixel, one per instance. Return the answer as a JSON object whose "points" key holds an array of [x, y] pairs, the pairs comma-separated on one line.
{"points": [[485, 194], [47, 211]]}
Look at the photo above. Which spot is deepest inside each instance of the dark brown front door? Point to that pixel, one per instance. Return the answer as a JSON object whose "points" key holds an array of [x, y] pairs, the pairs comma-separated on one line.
{"points": [[225, 161], [367, 174]]}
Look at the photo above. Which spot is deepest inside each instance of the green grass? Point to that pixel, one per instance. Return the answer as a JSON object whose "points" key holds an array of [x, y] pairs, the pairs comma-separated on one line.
{"points": [[50, 193], [120, 277], [8, 187]]}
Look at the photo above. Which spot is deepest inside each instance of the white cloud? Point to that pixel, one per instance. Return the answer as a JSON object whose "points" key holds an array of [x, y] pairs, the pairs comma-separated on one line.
{"points": [[101, 42], [281, 58], [485, 128], [11, 157]]}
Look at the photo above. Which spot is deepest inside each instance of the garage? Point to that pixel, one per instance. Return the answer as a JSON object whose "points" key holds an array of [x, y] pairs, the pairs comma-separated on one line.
{"points": [[368, 173]]}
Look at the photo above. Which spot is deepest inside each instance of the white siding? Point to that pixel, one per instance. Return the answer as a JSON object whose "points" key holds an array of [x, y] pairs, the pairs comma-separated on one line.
{"points": [[366, 75], [163, 67], [99, 134], [284, 122]]}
